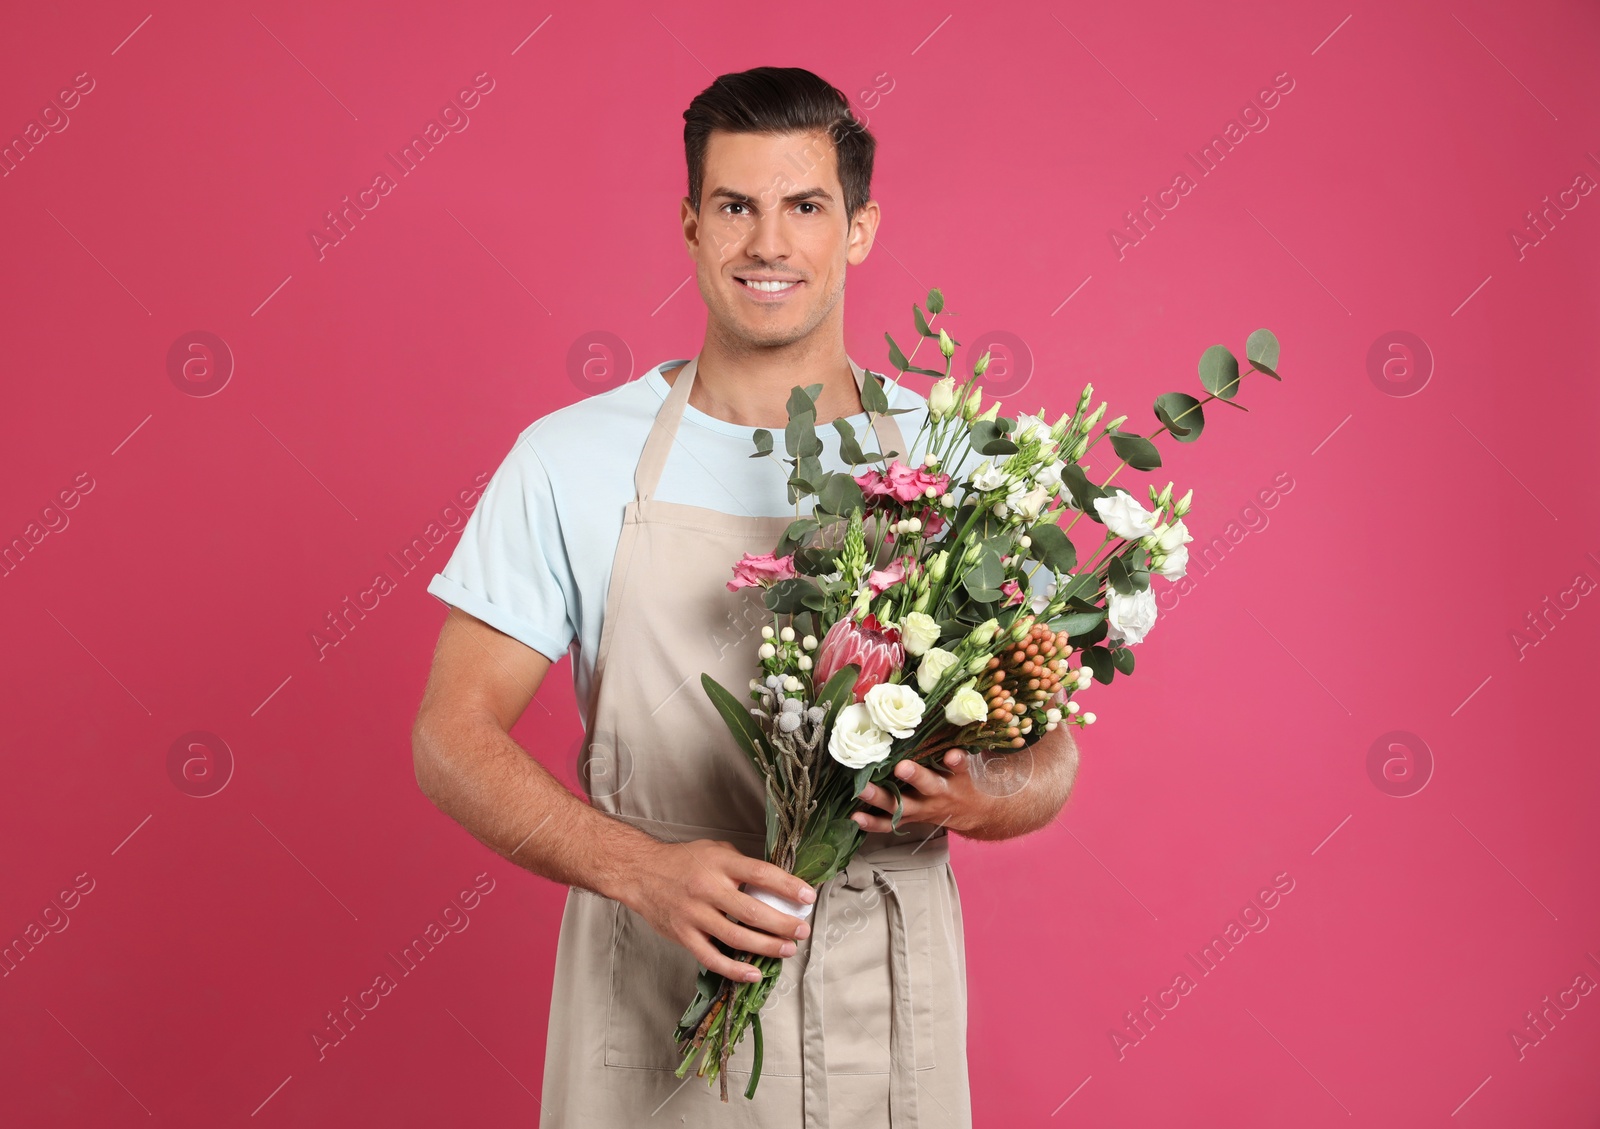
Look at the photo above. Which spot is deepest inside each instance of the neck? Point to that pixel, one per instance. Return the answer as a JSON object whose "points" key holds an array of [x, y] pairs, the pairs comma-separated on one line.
{"points": [[750, 387]]}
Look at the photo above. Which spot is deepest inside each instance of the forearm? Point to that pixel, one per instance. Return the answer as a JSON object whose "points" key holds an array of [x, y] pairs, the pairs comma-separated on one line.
{"points": [[479, 776], [1046, 783]]}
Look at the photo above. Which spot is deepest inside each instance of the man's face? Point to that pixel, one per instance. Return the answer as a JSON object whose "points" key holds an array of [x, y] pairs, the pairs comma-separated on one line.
{"points": [[772, 207]]}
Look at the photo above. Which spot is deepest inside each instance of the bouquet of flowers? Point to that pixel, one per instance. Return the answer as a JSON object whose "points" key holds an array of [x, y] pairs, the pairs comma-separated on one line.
{"points": [[917, 608]]}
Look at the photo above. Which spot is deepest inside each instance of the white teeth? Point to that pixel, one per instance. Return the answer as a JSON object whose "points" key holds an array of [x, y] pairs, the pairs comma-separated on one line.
{"points": [[770, 287]]}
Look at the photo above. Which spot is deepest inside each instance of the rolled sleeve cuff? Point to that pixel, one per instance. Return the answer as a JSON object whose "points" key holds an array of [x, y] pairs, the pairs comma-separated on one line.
{"points": [[497, 617]]}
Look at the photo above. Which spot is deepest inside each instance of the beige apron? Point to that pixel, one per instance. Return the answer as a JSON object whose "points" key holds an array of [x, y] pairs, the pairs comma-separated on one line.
{"points": [[866, 1025]]}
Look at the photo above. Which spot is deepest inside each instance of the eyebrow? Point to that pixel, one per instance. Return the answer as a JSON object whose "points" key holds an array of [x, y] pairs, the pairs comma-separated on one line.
{"points": [[792, 198]]}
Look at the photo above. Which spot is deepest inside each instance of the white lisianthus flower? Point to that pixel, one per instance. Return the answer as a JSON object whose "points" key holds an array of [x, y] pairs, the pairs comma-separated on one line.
{"points": [[1028, 505], [988, 476], [1124, 516], [855, 742], [1175, 535], [1175, 565], [1039, 597], [1031, 425], [1130, 617], [918, 632], [934, 663], [966, 707], [1049, 475], [894, 707], [942, 400]]}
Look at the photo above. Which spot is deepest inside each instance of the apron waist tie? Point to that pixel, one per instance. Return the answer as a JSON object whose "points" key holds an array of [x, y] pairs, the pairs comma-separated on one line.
{"points": [[868, 871]]}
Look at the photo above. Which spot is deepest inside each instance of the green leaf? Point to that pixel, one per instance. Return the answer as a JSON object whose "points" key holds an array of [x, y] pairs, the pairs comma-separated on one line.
{"points": [[935, 301], [1182, 414], [1122, 659], [1137, 451], [891, 785], [1261, 350], [792, 596], [938, 373], [840, 494], [763, 439], [896, 357], [800, 436], [1052, 546], [815, 561], [772, 827], [802, 400], [1117, 574], [1078, 623], [794, 536], [849, 447], [1098, 660], [922, 324], [812, 861], [755, 1061], [839, 691], [873, 398], [739, 722], [988, 438], [1219, 372], [1082, 490], [983, 578]]}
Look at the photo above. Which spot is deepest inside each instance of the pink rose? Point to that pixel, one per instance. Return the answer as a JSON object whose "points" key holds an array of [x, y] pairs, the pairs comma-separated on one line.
{"points": [[762, 570], [872, 484]]}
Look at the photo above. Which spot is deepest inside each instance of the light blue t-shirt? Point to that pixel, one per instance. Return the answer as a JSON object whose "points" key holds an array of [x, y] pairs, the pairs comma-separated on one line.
{"points": [[534, 560]]}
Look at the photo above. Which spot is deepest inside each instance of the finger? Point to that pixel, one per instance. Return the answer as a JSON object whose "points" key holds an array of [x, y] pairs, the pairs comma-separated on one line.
{"points": [[920, 777], [750, 940], [769, 877], [954, 758], [713, 959], [870, 822], [757, 914]]}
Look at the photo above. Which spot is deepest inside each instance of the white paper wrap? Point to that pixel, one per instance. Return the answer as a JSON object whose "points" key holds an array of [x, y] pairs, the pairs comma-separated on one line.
{"points": [[778, 901]]}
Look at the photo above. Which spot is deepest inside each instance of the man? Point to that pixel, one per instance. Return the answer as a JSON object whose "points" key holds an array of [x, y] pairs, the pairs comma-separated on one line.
{"points": [[591, 538]]}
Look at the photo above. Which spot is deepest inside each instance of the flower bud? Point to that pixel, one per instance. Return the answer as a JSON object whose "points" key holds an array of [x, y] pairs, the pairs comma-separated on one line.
{"points": [[766, 631], [920, 604], [1021, 627], [942, 399], [1079, 448], [767, 650], [1116, 423], [983, 364], [946, 346], [1058, 430], [978, 663], [1165, 498], [1088, 394], [1182, 506], [970, 408], [936, 565], [787, 635], [984, 633], [809, 642], [1094, 417], [991, 413]]}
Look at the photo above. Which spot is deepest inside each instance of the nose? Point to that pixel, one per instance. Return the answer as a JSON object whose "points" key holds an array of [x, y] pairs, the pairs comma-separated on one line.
{"points": [[769, 238]]}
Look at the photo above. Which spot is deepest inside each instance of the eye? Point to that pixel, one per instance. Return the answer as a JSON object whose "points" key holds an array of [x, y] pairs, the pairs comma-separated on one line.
{"points": [[732, 204], [808, 204]]}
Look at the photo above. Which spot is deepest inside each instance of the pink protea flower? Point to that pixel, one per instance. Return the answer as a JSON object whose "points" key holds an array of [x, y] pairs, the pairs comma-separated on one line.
{"points": [[875, 649], [765, 569]]}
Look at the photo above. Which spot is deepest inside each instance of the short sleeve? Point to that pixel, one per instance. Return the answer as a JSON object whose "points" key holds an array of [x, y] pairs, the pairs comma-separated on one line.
{"points": [[510, 568]]}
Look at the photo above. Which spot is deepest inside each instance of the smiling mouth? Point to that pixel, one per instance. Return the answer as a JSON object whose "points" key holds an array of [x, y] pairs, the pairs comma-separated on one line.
{"points": [[771, 289]]}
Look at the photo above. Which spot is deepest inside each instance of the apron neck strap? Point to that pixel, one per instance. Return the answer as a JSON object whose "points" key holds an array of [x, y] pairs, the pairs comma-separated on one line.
{"points": [[665, 429]]}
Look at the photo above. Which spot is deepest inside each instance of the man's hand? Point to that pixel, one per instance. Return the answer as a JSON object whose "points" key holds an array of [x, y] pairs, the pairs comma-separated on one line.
{"points": [[686, 890], [1037, 786], [952, 801]]}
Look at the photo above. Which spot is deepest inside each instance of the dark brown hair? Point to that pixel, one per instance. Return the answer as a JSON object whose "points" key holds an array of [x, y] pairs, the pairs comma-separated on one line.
{"points": [[780, 100]]}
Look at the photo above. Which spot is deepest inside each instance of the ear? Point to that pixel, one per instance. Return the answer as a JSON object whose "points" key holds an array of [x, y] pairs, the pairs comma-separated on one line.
{"points": [[863, 230]]}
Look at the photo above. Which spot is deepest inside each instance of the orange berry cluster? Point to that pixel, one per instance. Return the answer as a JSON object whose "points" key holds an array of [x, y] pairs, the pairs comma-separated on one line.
{"points": [[1021, 682]]}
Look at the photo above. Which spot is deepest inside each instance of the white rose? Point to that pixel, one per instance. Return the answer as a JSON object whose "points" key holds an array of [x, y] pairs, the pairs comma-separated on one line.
{"points": [[894, 707], [1175, 535], [934, 663], [988, 476], [1124, 516], [966, 707], [918, 632], [1176, 564], [1130, 617], [942, 400], [855, 742]]}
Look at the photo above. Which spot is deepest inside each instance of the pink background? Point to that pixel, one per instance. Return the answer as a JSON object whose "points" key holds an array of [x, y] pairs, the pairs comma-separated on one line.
{"points": [[370, 387]]}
